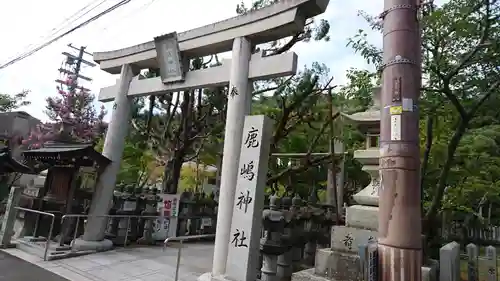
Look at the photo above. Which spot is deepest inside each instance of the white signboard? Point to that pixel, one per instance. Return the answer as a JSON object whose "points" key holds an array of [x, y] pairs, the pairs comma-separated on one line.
{"points": [[166, 224], [31, 191], [206, 223], [249, 199], [395, 127]]}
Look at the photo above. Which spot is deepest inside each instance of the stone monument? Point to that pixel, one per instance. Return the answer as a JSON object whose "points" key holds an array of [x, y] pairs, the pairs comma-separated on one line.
{"points": [[243, 254]]}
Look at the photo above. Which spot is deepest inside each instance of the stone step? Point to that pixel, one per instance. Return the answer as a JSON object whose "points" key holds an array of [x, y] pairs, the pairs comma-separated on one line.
{"points": [[63, 248], [335, 265], [34, 239], [347, 239], [30, 248], [55, 250]]}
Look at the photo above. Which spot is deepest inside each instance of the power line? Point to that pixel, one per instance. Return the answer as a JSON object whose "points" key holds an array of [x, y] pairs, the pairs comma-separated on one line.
{"points": [[27, 54], [79, 17], [112, 8], [57, 29], [142, 8], [77, 12]]}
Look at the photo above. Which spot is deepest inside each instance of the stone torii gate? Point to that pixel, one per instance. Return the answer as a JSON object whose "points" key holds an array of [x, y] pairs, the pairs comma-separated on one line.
{"points": [[171, 53]]}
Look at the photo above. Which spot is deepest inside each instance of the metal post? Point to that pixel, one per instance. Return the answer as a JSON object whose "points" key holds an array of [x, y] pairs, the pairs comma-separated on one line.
{"points": [[126, 232], [47, 244], [178, 261], [36, 225], [75, 232], [400, 244], [181, 240], [61, 236]]}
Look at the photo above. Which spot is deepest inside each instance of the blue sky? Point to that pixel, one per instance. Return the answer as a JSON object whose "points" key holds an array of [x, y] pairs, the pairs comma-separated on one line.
{"points": [[26, 22]]}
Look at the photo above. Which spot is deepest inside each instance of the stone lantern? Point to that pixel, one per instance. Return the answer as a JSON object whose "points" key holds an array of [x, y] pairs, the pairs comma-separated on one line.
{"points": [[341, 261], [128, 208], [312, 230], [366, 213], [298, 222], [150, 199], [284, 269], [117, 203], [271, 244]]}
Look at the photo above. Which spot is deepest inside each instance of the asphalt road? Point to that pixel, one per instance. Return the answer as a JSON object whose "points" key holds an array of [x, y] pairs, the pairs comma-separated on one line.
{"points": [[15, 269]]}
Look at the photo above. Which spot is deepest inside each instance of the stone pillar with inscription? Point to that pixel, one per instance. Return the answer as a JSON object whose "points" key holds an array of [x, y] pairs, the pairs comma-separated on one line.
{"points": [[249, 202], [243, 243]]}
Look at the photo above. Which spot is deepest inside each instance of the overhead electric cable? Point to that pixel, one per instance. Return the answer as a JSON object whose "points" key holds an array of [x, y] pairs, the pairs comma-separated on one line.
{"points": [[66, 20], [58, 27], [112, 8], [79, 17], [142, 8]]}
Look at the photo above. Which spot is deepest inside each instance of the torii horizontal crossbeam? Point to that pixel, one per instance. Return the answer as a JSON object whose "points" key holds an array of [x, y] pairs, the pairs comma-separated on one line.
{"points": [[261, 68]]}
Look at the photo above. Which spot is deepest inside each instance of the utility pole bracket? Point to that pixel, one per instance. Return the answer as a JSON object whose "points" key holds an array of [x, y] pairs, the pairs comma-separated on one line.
{"points": [[397, 61], [396, 7]]}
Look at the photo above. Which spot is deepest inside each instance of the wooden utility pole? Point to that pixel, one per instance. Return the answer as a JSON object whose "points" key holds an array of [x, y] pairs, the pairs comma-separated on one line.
{"points": [[73, 67], [400, 243]]}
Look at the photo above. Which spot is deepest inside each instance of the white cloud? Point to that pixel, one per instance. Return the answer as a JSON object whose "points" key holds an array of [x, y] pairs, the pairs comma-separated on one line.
{"points": [[23, 23]]}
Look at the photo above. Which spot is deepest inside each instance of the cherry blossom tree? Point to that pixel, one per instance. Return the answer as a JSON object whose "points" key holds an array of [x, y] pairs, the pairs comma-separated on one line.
{"points": [[72, 107]]}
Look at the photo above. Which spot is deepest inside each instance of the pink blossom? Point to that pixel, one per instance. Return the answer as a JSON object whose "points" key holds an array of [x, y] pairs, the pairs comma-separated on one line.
{"points": [[70, 106]]}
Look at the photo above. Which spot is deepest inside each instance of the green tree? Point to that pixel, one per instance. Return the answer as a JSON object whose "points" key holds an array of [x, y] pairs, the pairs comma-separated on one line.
{"points": [[138, 166], [313, 30], [9, 103]]}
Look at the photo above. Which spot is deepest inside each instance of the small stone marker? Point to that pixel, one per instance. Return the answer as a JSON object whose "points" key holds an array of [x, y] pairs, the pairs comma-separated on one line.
{"points": [[472, 262], [246, 223], [492, 264], [9, 219], [449, 262]]}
